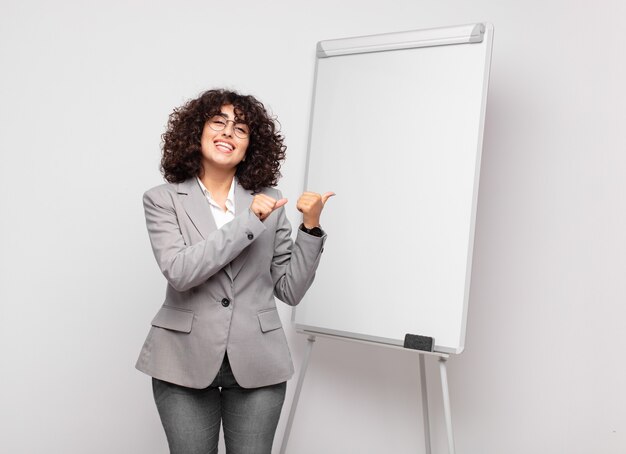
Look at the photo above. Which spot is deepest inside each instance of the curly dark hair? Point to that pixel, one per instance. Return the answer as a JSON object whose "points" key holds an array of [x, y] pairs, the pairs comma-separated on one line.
{"points": [[182, 153]]}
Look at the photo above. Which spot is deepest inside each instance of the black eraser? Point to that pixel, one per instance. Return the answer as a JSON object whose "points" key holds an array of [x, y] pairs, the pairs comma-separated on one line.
{"points": [[417, 342]]}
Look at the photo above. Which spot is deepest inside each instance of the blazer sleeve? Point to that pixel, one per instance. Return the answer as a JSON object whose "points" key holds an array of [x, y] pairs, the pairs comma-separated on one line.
{"points": [[294, 264], [186, 266]]}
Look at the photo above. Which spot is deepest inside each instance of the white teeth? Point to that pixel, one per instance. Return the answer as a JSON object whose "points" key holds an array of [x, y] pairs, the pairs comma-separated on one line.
{"points": [[224, 144]]}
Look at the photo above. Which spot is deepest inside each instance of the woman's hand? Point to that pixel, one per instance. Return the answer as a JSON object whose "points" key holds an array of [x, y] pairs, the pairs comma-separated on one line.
{"points": [[310, 204], [263, 205]]}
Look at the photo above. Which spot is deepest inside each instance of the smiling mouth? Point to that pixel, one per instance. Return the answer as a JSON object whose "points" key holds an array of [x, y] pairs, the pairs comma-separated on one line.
{"points": [[224, 146]]}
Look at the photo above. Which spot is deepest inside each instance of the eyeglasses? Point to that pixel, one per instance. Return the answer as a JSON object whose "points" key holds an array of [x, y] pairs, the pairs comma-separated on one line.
{"points": [[219, 123]]}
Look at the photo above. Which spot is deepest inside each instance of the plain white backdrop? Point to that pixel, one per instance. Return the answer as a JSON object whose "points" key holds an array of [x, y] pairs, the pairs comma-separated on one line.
{"points": [[85, 91]]}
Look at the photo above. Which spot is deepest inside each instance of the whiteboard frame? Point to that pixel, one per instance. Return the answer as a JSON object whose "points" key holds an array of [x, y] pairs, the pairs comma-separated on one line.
{"points": [[454, 35]]}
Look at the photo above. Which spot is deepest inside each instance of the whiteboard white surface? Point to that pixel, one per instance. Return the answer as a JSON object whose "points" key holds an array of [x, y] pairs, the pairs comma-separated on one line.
{"points": [[397, 135]]}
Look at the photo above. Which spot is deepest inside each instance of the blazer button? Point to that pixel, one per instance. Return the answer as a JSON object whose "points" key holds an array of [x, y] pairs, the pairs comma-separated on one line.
{"points": [[225, 302], [250, 236]]}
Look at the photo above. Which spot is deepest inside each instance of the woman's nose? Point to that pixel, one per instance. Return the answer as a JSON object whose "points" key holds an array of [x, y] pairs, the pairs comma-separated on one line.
{"points": [[228, 130]]}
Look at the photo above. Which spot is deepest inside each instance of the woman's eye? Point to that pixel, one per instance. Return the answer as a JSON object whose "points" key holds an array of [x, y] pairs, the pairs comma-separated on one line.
{"points": [[218, 121], [242, 129]]}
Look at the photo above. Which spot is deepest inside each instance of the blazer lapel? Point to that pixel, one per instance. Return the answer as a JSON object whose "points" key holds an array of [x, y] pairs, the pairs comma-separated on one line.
{"points": [[197, 207], [198, 210], [243, 200]]}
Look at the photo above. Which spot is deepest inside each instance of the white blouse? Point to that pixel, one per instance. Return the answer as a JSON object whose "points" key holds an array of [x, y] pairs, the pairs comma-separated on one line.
{"points": [[221, 217]]}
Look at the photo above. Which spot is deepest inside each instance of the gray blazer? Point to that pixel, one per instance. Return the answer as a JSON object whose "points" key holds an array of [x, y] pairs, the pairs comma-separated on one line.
{"points": [[221, 285]]}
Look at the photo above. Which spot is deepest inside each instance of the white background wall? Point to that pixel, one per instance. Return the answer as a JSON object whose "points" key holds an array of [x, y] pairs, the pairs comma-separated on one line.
{"points": [[85, 90]]}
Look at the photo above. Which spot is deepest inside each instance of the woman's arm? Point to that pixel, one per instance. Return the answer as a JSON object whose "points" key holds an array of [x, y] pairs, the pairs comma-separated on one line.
{"points": [[294, 264], [186, 266]]}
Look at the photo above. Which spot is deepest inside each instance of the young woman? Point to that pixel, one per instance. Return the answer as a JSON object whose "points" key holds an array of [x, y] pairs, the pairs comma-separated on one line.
{"points": [[216, 349]]}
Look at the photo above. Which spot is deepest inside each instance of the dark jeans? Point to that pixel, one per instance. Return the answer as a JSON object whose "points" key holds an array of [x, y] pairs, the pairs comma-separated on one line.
{"points": [[191, 417]]}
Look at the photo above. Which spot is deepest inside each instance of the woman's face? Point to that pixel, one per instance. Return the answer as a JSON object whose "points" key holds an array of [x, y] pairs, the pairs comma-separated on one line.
{"points": [[226, 148]]}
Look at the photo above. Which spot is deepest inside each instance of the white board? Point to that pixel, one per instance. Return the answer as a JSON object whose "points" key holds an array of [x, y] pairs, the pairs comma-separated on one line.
{"points": [[396, 132]]}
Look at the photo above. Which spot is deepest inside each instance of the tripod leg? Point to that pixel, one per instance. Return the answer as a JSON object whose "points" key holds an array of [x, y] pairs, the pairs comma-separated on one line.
{"points": [[446, 403], [296, 396], [425, 413]]}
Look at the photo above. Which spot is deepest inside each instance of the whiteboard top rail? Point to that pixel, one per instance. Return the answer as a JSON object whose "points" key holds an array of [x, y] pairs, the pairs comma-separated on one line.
{"points": [[441, 36]]}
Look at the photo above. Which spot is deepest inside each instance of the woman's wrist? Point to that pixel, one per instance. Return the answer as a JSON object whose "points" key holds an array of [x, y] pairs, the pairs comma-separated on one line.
{"points": [[311, 222]]}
